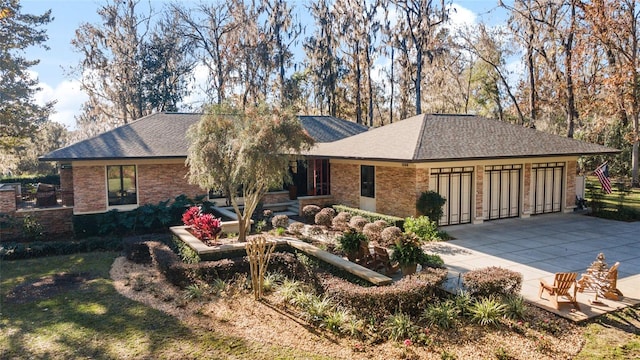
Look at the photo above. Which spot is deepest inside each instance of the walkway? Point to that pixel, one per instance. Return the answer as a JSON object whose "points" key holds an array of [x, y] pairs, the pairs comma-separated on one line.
{"points": [[542, 245]]}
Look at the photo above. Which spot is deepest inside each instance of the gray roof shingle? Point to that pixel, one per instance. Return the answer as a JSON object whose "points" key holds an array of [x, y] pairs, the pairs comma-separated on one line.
{"points": [[436, 137], [162, 135]]}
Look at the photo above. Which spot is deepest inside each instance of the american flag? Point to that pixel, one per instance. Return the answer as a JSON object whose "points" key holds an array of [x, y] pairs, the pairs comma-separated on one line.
{"points": [[602, 172]]}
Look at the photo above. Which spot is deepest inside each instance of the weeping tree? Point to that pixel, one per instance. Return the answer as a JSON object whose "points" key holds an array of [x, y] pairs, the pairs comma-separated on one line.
{"points": [[233, 148]]}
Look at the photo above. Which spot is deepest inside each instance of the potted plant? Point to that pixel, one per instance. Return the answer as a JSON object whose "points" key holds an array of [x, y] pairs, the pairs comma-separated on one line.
{"points": [[350, 243], [408, 253]]}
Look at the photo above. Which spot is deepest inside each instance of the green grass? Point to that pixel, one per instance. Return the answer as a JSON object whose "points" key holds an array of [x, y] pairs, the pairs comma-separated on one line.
{"points": [[95, 321], [613, 336], [631, 200]]}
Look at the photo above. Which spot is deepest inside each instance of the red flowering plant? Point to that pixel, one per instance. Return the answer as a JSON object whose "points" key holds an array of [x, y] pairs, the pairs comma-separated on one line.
{"points": [[189, 217], [204, 226]]}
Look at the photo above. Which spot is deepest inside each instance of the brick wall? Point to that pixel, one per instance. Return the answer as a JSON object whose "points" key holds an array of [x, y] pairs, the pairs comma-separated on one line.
{"points": [[161, 182], [345, 184], [57, 223], [526, 191], [89, 189], [570, 193], [7, 200], [276, 197], [393, 191], [66, 185]]}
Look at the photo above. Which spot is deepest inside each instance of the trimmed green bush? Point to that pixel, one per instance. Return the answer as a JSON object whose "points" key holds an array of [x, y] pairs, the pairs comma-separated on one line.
{"points": [[423, 227], [24, 180], [370, 216], [430, 204], [409, 295], [15, 251], [492, 280]]}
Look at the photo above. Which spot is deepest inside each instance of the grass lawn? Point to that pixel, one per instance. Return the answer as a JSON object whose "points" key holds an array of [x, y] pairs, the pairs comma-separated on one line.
{"points": [[632, 199], [94, 321]]}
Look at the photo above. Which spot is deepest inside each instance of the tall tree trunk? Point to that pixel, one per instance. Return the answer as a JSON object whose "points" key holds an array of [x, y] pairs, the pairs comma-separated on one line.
{"points": [[418, 81], [572, 112], [392, 88], [635, 180], [358, 87]]}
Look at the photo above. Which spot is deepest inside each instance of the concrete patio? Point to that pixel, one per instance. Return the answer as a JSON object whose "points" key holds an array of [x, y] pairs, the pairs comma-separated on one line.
{"points": [[540, 246]]}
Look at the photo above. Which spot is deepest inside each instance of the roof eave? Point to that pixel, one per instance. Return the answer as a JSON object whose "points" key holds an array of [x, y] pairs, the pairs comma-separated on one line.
{"points": [[112, 158]]}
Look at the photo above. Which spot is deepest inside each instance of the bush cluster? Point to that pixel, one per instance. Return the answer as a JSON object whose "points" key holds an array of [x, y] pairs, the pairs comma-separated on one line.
{"points": [[357, 223], [280, 221], [370, 216], [325, 217], [373, 232], [422, 227], [15, 251], [492, 280], [409, 295], [137, 251], [390, 236], [146, 219], [341, 221], [309, 212], [204, 226]]}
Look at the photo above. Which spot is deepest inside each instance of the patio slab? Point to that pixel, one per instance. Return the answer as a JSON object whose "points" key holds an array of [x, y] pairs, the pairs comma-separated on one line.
{"points": [[542, 245]]}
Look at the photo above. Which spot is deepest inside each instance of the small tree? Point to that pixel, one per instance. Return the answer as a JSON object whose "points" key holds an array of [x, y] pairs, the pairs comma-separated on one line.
{"points": [[231, 148], [430, 204]]}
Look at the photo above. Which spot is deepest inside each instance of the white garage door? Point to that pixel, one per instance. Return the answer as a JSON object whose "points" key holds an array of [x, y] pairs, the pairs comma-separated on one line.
{"points": [[547, 187], [455, 185], [501, 191]]}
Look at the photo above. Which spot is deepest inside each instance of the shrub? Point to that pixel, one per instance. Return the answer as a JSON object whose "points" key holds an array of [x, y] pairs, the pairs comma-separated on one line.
{"points": [[267, 215], [492, 280], [32, 230], [15, 251], [373, 232], [350, 241], [325, 217], [398, 327], [407, 251], [430, 204], [390, 235], [206, 227], [315, 230], [487, 311], [341, 221], [432, 260], [357, 223], [370, 216], [309, 212], [422, 227], [137, 251], [443, 315], [381, 224], [514, 307], [280, 221], [189, 217], [296, 228], [410, 295]]}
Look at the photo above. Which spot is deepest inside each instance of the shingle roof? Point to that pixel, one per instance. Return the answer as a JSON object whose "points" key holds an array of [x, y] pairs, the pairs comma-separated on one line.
{"points": [[162, 135], [435, 137]]}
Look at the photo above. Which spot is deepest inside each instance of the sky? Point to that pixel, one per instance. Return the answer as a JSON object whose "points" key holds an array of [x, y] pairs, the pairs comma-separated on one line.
{"points": [[54, 70]]}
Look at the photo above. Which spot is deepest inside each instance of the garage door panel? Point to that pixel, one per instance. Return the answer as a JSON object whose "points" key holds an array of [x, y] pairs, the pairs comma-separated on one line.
{"points": [[455, 185], [547, 187], [502, 191]]}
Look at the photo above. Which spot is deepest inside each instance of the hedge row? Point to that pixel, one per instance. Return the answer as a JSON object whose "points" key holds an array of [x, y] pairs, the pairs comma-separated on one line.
{"points": [[182, 274], [15, 251], [410, 295], [24, 180], [371, 216]]}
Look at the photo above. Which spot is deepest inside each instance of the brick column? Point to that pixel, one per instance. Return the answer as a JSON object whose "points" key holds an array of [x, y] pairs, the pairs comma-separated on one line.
{"points": [[479, 215], [570, 193], [66, 184], [526, 191]]}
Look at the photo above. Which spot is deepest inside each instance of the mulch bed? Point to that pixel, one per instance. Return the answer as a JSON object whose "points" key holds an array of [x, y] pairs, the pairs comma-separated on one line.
{"points": [[47, 287]]}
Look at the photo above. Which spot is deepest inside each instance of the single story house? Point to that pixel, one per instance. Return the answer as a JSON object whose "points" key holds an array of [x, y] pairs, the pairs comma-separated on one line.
{"points": [[143, 162], [486, 169]]}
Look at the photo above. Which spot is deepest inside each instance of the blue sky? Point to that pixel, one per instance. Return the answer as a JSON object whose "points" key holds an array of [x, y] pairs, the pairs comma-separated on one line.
{"points": [[53, 70]]}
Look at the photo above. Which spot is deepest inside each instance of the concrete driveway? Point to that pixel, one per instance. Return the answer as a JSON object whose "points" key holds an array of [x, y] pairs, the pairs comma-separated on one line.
{"points": [[542, 245]]}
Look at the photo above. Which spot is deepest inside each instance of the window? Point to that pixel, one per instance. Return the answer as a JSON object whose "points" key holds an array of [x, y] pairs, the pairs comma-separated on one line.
{"points": [[367, 181], [121, 183]]}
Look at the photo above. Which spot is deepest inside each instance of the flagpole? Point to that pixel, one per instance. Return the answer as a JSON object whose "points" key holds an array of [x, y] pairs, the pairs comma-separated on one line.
{"points": [[603, 164]]}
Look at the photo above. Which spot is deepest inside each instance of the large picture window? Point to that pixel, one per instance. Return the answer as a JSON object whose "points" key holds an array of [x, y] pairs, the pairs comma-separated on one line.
{"points": [[121, 182], [367, 181]]}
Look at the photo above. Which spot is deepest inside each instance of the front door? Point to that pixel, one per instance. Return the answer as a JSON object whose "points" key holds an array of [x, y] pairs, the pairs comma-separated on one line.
{"points": [[368, 188]]}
